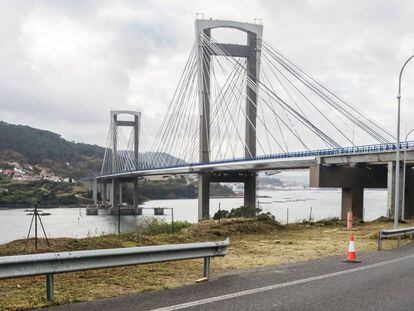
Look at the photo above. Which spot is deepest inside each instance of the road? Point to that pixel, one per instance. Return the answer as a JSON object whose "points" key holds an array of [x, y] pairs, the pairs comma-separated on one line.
{"points": [[383, 281]]}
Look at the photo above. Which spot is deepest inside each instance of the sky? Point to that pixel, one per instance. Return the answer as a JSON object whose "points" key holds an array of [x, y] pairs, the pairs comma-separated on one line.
{"points": [[65, 64]]}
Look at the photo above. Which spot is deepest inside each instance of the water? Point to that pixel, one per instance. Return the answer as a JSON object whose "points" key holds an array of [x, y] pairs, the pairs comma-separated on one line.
{"points": [[73, 222]]}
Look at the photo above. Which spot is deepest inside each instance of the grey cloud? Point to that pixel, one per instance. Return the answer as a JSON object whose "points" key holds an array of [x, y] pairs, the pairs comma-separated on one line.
{"points": [[130, 53]]}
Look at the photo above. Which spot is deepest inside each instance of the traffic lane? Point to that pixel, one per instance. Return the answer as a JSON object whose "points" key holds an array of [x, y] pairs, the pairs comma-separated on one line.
{"points": [[235, 281], [387, 287]]}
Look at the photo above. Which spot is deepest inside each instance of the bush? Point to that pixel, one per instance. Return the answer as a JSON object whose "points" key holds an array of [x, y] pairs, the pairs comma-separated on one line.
{"points": [[221, 214], [154, 226], [267, 217], [242, 212]]}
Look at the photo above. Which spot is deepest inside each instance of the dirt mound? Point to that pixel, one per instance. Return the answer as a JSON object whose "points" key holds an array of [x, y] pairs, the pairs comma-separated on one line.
{"points": [[382, 219], [233, 226]]}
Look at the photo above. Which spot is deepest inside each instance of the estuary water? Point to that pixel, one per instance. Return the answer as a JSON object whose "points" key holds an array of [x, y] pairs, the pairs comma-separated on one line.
{"points": [[286, 205]]}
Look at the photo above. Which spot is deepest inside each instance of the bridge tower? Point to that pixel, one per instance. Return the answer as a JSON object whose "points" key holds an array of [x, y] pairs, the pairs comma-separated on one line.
{"points": [[252, 52], [116, 186]]}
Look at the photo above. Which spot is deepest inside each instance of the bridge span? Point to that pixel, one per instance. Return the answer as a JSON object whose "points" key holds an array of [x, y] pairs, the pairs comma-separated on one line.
{"points": [[351, 169], [242, 108]]}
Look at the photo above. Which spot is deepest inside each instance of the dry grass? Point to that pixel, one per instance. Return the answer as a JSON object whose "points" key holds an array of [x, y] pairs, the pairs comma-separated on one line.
{"points": [[253, 243]]}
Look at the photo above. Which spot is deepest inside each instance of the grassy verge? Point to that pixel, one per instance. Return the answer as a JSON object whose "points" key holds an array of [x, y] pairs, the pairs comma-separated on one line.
{"points": [[254, 242]]}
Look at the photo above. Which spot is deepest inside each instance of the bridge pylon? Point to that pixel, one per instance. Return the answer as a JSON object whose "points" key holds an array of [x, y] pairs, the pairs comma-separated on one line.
{"points": [[114, 195], [252, 52]]}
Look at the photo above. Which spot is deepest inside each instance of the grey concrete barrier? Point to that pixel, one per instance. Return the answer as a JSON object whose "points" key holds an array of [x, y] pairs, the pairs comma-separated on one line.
{"points": [[49, 264]]}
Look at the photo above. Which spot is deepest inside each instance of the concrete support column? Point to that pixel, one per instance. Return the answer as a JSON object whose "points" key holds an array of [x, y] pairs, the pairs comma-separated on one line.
{"points": [[409, 203], [250, 190], [136, 197], [115, 194], [104, 193], [352, 200], [95, 191], [391, 190], [203, 196]]}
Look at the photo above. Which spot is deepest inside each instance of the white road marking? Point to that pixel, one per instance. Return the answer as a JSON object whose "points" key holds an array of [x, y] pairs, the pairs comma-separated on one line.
{"points": [[276, 286]]}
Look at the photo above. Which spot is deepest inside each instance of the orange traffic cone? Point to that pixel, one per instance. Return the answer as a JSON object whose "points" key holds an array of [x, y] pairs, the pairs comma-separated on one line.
{"points": [[351, 251]]}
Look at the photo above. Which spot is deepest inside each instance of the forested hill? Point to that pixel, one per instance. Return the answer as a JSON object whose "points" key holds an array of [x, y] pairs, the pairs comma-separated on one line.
{"points": [[45, 149], [32, 146]]}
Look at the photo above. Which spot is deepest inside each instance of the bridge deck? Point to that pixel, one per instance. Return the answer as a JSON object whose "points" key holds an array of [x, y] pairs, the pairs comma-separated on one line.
{"points": [[368, 154]]}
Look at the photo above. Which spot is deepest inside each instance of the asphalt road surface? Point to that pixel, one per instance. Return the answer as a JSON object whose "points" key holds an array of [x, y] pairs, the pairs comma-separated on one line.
{"points": [[383, 281]]}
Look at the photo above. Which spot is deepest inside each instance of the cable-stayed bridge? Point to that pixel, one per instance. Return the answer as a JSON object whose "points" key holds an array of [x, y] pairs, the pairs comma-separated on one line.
{"points": [[242, 108]]}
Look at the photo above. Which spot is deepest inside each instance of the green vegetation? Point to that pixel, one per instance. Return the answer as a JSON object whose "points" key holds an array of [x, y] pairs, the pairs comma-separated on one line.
{"points": [[243, 212], [172, 188], [39, 147], [43, 192], [44, 149], [178, 188], [155, 226], [219, 190], [48, 193]]}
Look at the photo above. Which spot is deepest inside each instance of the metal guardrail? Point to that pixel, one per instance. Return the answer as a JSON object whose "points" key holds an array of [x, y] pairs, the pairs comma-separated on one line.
{"points": [[52, 263], [383, 234]]}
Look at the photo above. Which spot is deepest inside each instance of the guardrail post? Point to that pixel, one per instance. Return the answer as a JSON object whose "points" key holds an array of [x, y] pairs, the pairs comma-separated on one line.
{"points": [[50, 287], [379, 241], [207, 267]]}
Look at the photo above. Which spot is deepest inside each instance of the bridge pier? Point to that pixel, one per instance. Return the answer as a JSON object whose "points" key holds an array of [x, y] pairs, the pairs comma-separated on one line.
{"points": [[136, 197], [409, 202], [112, 191], [115, 194], [205, 178], [95, 191], [250, 190], [203, 196], [104, 193], [352, 180], [409, 192], [352, 200]]}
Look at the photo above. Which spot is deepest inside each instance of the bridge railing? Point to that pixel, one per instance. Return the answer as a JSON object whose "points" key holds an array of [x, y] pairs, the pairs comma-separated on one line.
{"points": [[408, 145], [49, 264]]}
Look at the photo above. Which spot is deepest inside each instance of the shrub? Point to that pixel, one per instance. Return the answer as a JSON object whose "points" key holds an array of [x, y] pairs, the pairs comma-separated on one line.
{"points": [[154, 226], [243, 212], [221, 214]]}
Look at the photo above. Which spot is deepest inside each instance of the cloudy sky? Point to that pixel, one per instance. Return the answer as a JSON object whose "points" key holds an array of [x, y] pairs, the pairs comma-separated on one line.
{"points": [[64, 64]]}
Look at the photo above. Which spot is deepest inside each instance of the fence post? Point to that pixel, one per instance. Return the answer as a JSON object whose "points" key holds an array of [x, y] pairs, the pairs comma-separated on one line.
{"points": [[379, 241], [287, 216], [49, 287], [172, 220], [207, 267]]}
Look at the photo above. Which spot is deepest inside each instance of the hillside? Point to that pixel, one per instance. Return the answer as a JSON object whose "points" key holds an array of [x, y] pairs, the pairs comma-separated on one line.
{"points": [[47, 150], [27, 145], [31, 160]]}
